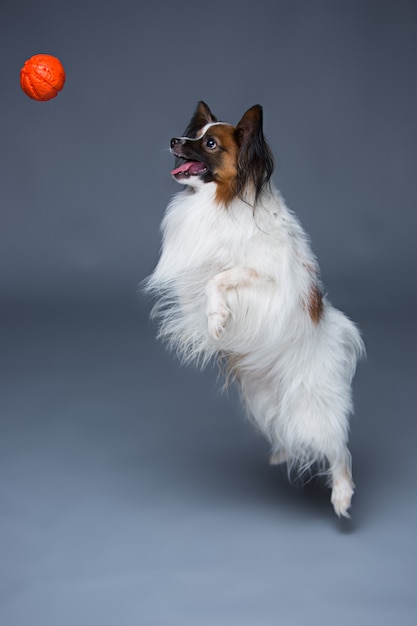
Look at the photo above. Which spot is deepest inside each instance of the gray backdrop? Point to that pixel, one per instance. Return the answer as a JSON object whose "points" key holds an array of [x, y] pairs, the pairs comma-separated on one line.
{"points": [[131, 491]]}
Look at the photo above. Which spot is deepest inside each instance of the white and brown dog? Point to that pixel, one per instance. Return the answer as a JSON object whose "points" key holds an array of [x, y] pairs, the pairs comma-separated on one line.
{"points": [[237, 280]]}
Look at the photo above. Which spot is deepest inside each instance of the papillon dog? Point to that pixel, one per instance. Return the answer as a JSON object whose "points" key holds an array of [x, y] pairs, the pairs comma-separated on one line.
{"points": [[237, 280]]}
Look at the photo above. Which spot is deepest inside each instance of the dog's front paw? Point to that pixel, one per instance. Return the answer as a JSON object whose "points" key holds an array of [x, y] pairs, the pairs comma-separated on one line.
{"points": [[216, 320]]}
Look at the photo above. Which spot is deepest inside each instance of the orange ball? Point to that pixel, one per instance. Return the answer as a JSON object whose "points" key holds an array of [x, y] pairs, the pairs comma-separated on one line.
{"points": [[42, 77]]}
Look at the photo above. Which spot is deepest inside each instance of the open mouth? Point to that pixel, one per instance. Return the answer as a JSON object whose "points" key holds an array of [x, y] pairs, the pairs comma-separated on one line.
{"points": [[189, 168]]}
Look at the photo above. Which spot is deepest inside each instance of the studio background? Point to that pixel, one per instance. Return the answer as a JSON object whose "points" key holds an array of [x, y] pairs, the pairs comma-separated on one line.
{"points": [[132, 491]]}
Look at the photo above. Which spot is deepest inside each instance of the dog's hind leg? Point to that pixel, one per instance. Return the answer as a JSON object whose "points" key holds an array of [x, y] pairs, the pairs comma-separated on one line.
{"points": [[342, 484]]}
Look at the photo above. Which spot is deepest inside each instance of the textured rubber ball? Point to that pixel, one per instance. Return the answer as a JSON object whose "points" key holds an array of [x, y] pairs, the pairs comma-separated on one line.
{"points": [[42, 77]]}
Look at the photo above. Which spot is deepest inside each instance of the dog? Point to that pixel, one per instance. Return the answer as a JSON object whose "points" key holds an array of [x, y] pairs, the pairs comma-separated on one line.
{"points": [[237, 280]]}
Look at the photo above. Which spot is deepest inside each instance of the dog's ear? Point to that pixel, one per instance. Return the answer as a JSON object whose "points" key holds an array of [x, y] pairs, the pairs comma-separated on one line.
{"points": [[255, 162], [251, 124], [201, 117]]}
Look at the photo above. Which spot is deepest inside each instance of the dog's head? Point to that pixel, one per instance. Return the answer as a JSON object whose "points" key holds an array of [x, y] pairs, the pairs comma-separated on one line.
{"points": [[236, 158]]}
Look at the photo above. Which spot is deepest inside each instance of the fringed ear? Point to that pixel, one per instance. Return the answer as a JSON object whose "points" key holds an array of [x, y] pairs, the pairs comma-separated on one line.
{"points": [[255, 162], [201, 117]]}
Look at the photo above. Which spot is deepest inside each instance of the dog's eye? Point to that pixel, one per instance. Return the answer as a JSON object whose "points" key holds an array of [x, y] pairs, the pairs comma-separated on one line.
{"points": [[211, 143]]}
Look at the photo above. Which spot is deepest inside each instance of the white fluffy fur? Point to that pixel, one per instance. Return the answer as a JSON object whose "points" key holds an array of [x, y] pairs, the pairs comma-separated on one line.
{"points": [[236, 283]]}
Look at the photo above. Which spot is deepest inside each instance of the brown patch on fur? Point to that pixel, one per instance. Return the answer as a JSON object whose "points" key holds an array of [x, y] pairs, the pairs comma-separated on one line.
{"points": [[225, 172], [315, 304]]}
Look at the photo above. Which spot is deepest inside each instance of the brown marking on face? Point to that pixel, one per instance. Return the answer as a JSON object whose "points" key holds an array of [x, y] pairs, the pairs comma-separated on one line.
{"points": [[315, 304], [223, 160]]}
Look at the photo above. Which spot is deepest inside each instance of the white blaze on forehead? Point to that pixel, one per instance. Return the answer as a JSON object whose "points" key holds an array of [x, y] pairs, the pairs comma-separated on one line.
{"points": [[204, 130]]}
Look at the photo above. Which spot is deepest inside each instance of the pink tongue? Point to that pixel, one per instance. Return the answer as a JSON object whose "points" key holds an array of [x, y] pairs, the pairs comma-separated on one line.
{"points": [[190, 167]]}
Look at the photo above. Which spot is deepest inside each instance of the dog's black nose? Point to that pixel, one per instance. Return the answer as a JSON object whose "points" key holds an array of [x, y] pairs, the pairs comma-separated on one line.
{"points": [[175, 141]]}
